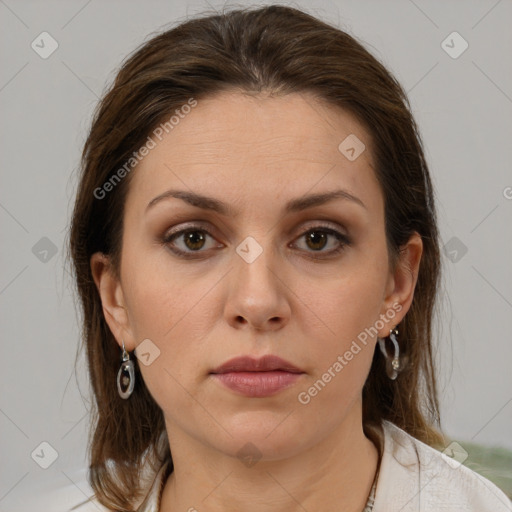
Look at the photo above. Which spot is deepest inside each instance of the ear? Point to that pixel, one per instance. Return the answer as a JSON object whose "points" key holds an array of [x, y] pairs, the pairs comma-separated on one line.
{"points": [[112, 300], [402, 282]]}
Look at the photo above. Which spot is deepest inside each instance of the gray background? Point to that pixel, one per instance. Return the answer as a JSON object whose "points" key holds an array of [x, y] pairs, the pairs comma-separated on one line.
{"points": [[463, 107]]}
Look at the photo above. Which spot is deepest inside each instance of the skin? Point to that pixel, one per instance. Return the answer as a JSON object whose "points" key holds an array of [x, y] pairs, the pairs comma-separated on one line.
{"points": [[257, 152]]}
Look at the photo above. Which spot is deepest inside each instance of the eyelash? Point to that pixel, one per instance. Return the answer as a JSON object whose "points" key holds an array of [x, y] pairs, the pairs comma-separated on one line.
{"points": [[170, 237]]}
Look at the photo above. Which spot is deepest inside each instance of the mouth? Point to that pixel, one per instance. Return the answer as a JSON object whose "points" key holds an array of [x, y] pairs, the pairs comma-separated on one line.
{"points": [[257, 378]]}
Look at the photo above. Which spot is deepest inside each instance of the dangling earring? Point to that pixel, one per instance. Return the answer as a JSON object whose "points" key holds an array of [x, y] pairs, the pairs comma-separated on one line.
{"points": [[126, 376], [393, 365]]}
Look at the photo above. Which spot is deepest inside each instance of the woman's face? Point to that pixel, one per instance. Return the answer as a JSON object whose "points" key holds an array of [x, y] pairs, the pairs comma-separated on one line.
{"points": [[268, 273]]}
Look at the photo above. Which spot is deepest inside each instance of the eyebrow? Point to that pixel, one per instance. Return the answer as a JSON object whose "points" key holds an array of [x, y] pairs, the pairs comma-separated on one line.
{"points": [[295, 205]]}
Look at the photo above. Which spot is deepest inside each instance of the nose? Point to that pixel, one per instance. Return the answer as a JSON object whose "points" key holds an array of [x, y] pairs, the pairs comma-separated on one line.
{"points": [[258, 295]]}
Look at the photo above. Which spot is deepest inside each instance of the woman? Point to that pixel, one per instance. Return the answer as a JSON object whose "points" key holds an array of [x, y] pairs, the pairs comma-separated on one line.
{"points": [[255, 216]]}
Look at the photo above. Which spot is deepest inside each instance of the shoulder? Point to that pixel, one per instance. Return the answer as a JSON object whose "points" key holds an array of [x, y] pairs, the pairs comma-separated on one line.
{"points": [[414, 476], [67, 492]]}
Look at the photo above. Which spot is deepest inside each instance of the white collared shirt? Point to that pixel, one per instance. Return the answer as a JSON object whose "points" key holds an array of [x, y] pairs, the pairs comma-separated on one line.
{"points": [[415, 477]]}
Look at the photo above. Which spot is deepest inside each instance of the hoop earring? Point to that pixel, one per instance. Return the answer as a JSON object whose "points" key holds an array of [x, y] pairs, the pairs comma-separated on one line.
{"points": [[393, 365], [126, 376]]}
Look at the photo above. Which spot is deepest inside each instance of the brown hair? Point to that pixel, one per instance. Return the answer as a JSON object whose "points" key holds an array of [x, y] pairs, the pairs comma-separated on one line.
{"points": [[281, 50]]}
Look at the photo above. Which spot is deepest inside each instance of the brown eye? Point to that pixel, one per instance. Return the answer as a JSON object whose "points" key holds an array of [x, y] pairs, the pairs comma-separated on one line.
{"points": [[188, 241], [194, 240], [317, 238]]}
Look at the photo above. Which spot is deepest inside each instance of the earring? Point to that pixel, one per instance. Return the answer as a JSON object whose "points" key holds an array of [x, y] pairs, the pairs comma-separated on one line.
{"points": [[126, 376], [393, 366]]}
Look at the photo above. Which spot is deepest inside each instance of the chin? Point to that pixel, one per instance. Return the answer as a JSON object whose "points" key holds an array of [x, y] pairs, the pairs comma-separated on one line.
{"points": [[265, 435]]}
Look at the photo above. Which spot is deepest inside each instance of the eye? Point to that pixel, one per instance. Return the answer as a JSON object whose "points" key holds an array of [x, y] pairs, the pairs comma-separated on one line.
{"points": [[318, 237], [192, 239]]}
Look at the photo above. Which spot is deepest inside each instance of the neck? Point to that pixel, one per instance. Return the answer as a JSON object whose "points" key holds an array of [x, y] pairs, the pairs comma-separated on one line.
{"points": [[335, 473]]}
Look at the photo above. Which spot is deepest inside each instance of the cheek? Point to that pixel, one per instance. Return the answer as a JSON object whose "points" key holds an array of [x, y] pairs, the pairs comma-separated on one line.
{"points": [[177, 312], [341, 307], [160, 297], [177, 317], [342, 355], [345, 310], [349, 316]]}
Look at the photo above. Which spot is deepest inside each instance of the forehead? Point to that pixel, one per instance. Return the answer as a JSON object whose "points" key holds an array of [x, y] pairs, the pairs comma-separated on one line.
{"points": [[243, 147]]}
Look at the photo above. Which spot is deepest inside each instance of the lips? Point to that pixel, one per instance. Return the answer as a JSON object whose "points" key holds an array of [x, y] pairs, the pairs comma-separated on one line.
{"points": [[266, 363], [257, 378]]}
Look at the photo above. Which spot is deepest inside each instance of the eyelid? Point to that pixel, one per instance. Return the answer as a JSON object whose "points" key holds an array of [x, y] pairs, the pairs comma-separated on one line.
{"points": [[203, 225], [321, 223], [197, 225]]}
